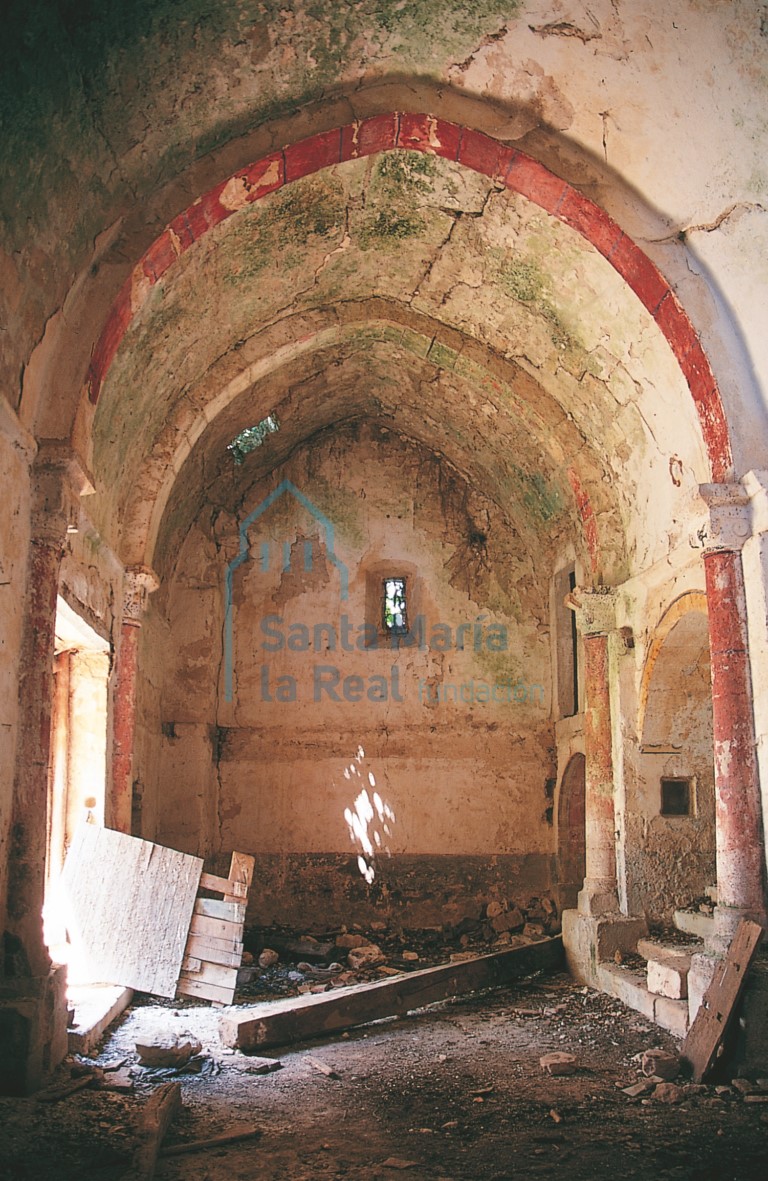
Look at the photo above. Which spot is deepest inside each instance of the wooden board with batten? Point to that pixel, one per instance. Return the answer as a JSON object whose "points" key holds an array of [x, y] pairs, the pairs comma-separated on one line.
{"points": [[214, 947], [706, 1038]]}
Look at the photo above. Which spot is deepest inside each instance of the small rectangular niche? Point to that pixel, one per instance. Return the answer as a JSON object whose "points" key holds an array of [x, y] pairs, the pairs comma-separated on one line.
{"points": [[676, 796]]}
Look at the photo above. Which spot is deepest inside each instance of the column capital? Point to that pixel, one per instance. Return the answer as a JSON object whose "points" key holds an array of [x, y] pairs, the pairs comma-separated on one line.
{"points": [[730, 517], [138, 584], [595, 609], [59, 479]]}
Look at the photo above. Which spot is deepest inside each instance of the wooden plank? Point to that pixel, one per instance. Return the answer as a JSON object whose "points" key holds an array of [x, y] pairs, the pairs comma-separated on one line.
{"points": [[211, 974], [207, 992], [217, 885], [232, 1136], [241, 869], [129, 904], [284, 1022], [706, 1038], [218, 928], [214, 951], [159, 1110], [214, 908]]}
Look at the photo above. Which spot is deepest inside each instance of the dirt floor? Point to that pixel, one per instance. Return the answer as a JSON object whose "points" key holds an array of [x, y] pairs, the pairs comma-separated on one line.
{"points": [[453, 1092]]}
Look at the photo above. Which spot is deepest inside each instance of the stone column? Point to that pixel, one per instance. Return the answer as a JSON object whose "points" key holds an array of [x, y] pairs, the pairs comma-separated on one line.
{"points": [[33, 1007], [58, 481], [138, 584], [739, 836], [754, 558], [595, 619], [596, 930]]}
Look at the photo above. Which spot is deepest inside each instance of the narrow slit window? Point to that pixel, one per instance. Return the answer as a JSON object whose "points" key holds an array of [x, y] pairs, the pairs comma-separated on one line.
{"points": [[676, 797], [395, 611]]}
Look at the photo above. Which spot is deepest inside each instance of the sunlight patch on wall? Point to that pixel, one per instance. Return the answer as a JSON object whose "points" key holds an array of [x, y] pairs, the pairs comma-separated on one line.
{"points": [[370, 821]]}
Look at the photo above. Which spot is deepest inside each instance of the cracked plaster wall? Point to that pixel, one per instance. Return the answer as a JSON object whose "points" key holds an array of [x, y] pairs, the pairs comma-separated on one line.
{"points": [[464, 781]]}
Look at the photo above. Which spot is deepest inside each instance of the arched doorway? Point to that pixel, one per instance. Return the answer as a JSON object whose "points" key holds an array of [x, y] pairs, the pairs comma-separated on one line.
{"points": [[571, 845]]}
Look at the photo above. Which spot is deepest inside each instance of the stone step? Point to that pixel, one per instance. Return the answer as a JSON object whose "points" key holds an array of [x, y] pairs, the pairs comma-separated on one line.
{"points": [[694, 922], [629, 986], [668, 966], [96, 1006]]}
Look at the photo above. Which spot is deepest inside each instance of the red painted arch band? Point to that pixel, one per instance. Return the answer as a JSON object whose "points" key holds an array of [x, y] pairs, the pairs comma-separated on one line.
{"points": [[473, 149]]}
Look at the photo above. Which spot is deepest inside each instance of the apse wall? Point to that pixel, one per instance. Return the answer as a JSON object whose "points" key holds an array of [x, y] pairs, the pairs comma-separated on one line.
{"points": [[368, 772]]}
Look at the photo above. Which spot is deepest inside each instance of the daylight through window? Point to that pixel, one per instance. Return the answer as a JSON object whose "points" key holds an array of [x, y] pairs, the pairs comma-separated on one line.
{"points": [[395, 616]]}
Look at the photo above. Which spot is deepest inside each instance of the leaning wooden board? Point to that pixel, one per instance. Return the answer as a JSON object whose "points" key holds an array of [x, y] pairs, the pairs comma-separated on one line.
{"points": [[215, 946], [129, 905], [280, 1023], [706, 1037]]}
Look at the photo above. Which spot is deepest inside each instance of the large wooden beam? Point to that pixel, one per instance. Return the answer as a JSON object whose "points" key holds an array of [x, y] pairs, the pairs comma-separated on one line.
{"points": [[283, 1022]]}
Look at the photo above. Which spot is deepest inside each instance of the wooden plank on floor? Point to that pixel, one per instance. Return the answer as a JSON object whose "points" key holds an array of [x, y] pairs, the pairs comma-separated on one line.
{"points": [[706, 1038], [215, 908], [159, 1110], [281, 1023], [129, 904]]}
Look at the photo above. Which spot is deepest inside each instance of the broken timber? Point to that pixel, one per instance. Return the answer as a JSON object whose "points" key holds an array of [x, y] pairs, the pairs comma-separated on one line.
{"points": [[706, 1037], [160, 1109], [283, 1022]]}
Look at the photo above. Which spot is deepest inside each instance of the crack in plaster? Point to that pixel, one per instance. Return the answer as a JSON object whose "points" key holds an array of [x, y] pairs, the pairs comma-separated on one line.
{"points": [[568, 29], [488, 39], [456, 216], [708, 227]]}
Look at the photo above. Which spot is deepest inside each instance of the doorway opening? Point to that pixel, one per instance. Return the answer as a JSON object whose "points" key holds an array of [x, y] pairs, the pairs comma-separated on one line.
{"points": [[77, 777], [571, 836]]}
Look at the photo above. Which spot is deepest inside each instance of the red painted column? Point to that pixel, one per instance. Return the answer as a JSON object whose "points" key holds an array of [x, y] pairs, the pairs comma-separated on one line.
{"points": [[138, 583], [739, 836], [595, 619], [57, 483]]}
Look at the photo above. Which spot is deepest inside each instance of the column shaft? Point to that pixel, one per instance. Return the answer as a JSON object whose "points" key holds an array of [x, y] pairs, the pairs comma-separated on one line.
{"points": [[740, 880]]}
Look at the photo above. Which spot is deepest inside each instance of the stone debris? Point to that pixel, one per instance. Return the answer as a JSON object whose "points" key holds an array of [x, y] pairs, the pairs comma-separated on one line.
{"points": [[320, 973], [175, 1052], [508, 920], [558, 1063], [268, 958], [361, 957], [348, 941], [323, 1068], [669, 1093], [397, 1162], [118, 1080], [256, 1065], [662, 1063]]}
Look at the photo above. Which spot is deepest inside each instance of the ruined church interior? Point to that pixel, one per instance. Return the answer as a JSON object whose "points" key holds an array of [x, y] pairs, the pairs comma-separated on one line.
{"points": [[384, 460]]}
